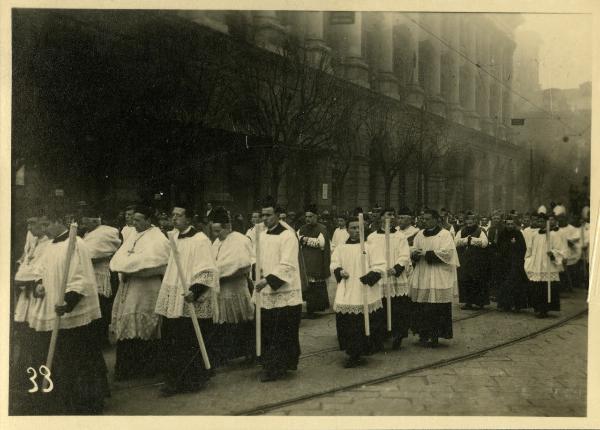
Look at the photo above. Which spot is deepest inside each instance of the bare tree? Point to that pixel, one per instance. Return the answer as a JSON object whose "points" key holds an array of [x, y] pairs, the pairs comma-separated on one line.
{"points": [[392, 138], [289, 99], [345, 143]]}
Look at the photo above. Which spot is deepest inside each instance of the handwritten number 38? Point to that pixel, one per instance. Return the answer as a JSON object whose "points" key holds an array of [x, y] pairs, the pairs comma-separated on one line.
{"points": [[45, 372]]}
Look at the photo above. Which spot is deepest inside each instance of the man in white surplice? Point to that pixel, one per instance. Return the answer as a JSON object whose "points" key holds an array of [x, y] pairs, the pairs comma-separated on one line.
{"points": [[233, 255], [102, 242], [140, 262], [433, 281], [281, 295], [184, 369]]}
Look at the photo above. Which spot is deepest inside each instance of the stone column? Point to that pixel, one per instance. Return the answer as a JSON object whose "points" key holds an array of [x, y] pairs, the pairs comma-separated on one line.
{"points": [[268, 32], [345, 38], [414, 92], [314, 41], [483, 89], [380, 49], [432, 81], [469, 86], [451, 71]]}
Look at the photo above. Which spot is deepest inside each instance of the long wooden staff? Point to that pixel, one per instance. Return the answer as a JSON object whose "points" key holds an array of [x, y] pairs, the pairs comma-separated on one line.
{"points": [[548, 249], [61, 297], [388, 283], [363, 265], [191, 308], [257, 294]]}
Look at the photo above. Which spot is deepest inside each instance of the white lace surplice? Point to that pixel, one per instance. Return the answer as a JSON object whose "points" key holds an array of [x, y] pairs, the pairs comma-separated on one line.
{"points": [[199, 267], [80, 279], [279, 257], [435, 283], [349, 293], [231, 255], [133, 313]]}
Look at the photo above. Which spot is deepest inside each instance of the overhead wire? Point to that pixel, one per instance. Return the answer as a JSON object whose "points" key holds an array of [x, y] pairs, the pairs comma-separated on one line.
{"points": [[481, 68]]}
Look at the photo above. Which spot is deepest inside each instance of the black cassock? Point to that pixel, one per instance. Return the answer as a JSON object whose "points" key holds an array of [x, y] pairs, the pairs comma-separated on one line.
{"points": [[513, 282], [472, 282]]}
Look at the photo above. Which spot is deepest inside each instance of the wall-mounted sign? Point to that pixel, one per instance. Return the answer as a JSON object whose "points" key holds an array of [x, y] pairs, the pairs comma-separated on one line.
{"points": [[517, 121], [341, 18]]}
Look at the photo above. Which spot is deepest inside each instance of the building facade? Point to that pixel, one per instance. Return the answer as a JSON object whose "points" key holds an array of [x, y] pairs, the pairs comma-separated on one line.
{"points": [[456, 68]]}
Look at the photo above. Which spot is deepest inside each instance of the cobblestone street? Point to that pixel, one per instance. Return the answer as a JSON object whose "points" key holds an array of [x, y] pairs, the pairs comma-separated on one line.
{"points": [[541, 376]]}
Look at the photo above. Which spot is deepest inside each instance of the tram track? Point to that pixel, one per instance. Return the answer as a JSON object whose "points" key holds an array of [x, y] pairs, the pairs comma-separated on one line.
{"points": [[396, 375], [302, 357]]}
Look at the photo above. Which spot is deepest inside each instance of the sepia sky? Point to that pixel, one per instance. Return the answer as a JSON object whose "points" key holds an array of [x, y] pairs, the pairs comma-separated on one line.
{"points": [[565, 53]]}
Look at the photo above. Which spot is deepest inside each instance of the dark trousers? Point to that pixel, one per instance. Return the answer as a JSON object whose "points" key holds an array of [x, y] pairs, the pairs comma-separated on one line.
{"points": [[401, 315], [351, 332], [280, 338], [184, 367], [78, 374], [316, 296], [137, 358], [539, 296], [432, 320]]}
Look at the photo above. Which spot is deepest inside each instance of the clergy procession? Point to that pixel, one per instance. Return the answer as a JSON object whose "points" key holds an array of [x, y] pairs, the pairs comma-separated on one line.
{"points": [[179, 295]]}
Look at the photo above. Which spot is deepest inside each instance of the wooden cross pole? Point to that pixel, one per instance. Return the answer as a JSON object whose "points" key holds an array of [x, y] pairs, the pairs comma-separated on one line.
{"points": [[257, 294], [191, 308], [363, 263], [388, 283], [61, 297]]}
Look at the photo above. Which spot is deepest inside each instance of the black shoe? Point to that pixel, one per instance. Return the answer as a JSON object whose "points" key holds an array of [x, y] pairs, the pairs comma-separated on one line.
{"points": [[270, 376], [169, 390], [353, 362], [434, 343], [396, 344]]}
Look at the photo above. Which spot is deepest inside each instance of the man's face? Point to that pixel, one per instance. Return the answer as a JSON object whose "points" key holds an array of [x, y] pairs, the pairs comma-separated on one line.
{"points": [[140, 222], [391, 217], [282, 216], [54, 229], [38, 228], [129, 217], [484, 220], [495, 219], [341, 223], [526, 220], [311, 218], [470, 221], [404, 221], [552, 221], [429, 221], [353, 230], [510, 224], [269, 217], [291, 216], [30, 223], [180, 219], [562, 220], [220, 230], [208, 206], [255, 218]]}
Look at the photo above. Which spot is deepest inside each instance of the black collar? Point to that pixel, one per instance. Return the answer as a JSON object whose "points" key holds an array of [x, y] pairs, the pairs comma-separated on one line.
{"points": [[61, 237], [190, 233], [433, 232], [278, 229], [352, 241]]}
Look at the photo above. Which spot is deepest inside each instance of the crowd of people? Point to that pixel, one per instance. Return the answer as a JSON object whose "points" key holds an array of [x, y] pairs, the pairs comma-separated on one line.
{"points": [[139, 284]]}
